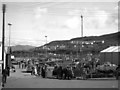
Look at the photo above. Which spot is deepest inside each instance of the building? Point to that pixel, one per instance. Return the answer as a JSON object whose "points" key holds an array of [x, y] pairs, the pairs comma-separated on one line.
{"points": [[111, 54]]}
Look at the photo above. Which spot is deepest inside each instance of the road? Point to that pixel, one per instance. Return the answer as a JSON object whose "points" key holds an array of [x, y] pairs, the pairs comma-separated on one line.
{"points": [[25, 80]]}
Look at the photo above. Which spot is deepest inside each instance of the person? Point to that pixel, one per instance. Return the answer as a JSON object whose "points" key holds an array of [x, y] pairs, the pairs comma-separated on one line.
{"points": [[33, 71], [22, 65], [19, 64], [55, 70], [43, 72], [65, 72], [35, 68], [4, 76], [38, 70], [8, 71], [69, 73], [59, 72], [25, 64]]}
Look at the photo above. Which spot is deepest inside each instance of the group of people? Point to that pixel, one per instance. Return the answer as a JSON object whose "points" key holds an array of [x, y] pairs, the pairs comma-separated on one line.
{"points": [[58, 71], [63, 72], [38, 70], [22, 65]]}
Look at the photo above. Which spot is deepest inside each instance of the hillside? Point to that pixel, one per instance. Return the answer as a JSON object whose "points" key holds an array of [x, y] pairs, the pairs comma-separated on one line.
{"points": [[109, 39], [22, 47], [71, 46]]}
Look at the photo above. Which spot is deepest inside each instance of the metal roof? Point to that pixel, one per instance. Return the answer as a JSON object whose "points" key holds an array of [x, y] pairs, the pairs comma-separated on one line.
{"points": [[112, 49]]}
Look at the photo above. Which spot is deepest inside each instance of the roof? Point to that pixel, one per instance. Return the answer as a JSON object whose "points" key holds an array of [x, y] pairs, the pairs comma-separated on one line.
{"points": [[112, 49]]}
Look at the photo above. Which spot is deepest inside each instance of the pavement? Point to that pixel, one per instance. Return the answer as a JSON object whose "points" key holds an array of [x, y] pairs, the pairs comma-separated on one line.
{"points": [[26, 80]]}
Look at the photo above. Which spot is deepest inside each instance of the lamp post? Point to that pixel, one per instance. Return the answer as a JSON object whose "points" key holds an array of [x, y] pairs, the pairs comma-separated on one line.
{"points": [[9, 24], [46, 39], [81, 26], [81, 44], [8, 60], [46, 45]]}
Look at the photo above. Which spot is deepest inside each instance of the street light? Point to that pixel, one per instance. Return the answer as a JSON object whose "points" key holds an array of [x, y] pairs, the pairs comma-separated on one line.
{"points": [[81, 26], [8, 60], [46, 39], [81, 34], [9, 24], [46, 46]]}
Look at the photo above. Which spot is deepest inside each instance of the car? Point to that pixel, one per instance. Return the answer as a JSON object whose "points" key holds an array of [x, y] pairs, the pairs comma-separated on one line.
{"points": [[14, 62]]}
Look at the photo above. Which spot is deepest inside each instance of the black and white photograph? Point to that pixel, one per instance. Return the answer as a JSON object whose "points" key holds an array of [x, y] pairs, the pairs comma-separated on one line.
{"points": [[59, 44]]}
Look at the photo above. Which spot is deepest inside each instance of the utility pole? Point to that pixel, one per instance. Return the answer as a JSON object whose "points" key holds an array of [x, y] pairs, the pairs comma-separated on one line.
{"points": [[46, 46], [81, 26], [46, 39], [81, 35], [3, 35], [8, 58], [9, 24]]}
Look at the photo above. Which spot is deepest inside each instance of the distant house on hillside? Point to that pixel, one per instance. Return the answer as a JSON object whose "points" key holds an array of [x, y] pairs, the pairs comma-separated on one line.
{"points": [[87, 42], [111, 54]]}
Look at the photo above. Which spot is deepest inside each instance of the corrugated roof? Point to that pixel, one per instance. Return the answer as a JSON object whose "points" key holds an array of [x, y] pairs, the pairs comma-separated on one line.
{"points": [[112, 49]]}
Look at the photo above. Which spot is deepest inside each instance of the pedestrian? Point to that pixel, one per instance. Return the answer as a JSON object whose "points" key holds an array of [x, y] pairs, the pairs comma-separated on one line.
{"points": [[4, 76], [33, 71], [55, 70], [59, 72], [19, 64], [8, 71], [43, 71], [38, 70], [25, 64], [22, 65], [65, 72], [35, 68]]}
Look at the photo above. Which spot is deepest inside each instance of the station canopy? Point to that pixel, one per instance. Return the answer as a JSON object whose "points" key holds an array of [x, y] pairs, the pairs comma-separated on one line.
{"points": [[112, 49]]}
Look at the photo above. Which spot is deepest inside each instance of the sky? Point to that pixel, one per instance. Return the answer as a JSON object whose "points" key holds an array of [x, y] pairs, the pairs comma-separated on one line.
{"points": [[32, 21]]}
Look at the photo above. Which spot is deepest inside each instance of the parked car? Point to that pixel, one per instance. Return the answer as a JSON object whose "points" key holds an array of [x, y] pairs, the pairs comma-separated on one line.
{"points": [[14, 62]]}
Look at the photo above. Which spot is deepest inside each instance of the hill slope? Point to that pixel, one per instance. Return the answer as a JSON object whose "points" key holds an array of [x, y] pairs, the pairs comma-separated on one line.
{"points": [[22, 47], [109, 39]]}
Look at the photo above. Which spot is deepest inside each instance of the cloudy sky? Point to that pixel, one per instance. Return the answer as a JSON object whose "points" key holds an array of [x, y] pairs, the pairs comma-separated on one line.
{"points": [[32, 21]]}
